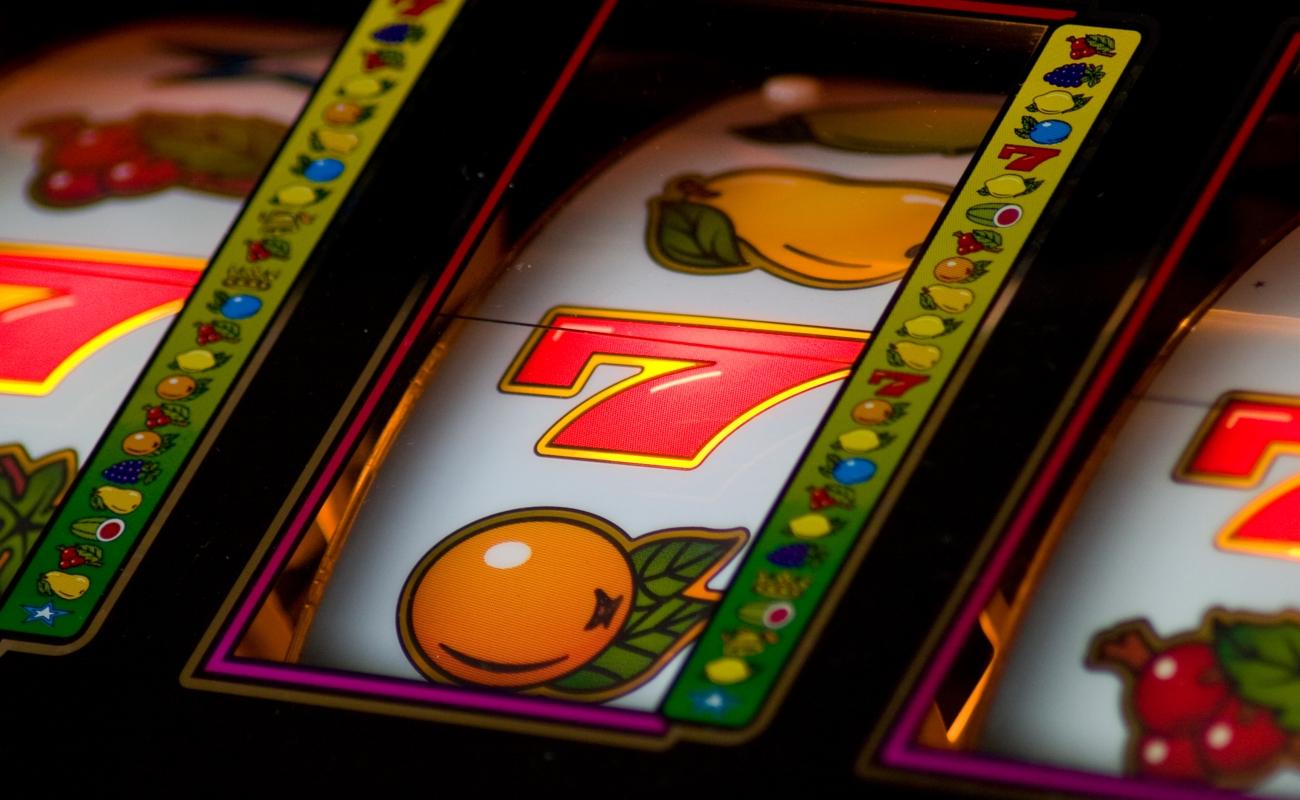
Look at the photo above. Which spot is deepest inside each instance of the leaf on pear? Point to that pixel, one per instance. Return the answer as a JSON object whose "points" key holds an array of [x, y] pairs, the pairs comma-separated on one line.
{"points": [[697, 235]]}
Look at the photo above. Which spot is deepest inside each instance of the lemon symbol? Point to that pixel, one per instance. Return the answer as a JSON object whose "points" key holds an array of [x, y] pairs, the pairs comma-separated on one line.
{"points": [[296, 196], [928, 326], [361, 88], [1005, 186], [196, 360], [860, 440], [1057, 102]]}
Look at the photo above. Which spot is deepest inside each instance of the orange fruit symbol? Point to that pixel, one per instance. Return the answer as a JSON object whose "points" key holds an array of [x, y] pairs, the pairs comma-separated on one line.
{"points": [[517, 599], [559, 602]]}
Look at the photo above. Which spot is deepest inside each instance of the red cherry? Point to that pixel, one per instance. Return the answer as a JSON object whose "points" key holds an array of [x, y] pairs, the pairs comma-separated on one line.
{"points": [[69, 188], [141, 175], [1180, 690], [95, 148], [1169, 757], [1242, 739]]}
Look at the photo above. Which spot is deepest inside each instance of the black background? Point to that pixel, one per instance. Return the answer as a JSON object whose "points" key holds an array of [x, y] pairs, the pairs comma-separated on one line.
{"points": [[116, 707]]}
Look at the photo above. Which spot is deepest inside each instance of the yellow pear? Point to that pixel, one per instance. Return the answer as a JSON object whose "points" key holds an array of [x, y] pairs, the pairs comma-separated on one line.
{"points": [[809, 227], [917, 356], [69, 587], [952, 299]]}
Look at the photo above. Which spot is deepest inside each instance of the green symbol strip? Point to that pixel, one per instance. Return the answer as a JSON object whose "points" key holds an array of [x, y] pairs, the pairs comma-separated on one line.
{"points": [[907, 364], [126, 480]]}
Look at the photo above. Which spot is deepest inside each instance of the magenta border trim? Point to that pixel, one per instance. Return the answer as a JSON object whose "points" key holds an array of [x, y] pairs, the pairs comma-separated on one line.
{"points": [[899, 750]]}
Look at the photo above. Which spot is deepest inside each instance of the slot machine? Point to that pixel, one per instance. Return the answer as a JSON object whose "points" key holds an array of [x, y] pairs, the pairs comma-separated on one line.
{"points": [[747, 395]]}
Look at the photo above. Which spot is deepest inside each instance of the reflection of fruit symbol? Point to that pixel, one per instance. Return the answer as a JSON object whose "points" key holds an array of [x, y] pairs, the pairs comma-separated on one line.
{"points": [[347, 113], [808, 227], [1218, 705], [1057, 102], [1048, 131], [239, 306], [875, 412], [146, 443], [999, 215], [559, 602], [912, 127], [61, 584], [1071, 76], [952, 299], [928, 326], [1009, 186], [1094, 44], [960, 270], [916, 356], [119, 501]]}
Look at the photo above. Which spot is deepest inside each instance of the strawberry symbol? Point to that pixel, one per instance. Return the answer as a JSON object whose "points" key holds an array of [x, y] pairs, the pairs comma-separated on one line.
{"points": [[132, 471], [1070, 76], [976, 241], [1094, 44]]}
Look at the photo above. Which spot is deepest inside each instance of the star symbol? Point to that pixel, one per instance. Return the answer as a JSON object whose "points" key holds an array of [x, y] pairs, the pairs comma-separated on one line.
{"points": [[46, 614], [713, 701]]}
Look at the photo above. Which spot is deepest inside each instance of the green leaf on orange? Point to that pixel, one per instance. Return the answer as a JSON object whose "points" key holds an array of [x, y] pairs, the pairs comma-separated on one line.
{"points": [[662, 616]]}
